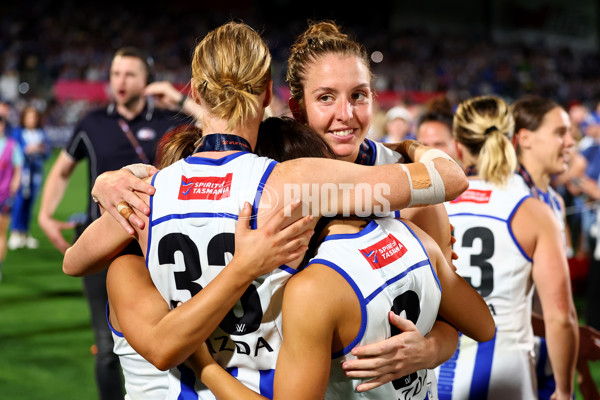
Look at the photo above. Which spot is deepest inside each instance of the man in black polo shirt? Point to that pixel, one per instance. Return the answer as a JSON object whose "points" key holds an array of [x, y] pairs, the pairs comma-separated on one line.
{"points": [[125, 132]]}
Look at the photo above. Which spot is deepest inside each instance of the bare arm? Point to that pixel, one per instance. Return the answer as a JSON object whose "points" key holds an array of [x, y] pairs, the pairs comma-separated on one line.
{"points": [[385, 187], [167, 338], [309, 324], [551, 276], [461, 305], [52, 194], [355, 189], [88, 255]]}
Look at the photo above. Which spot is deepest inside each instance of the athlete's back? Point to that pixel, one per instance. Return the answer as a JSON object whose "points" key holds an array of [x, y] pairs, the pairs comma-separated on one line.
{"points": [[194, 213], [389, 270], [493, 262]]}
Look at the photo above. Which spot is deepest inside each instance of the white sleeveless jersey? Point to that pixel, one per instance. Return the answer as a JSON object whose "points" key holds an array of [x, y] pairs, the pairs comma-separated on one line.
{"points": [[491, 260], [545, 376], [192, 225], [383, 156], [143, 381], [552, 198], [388, 269]]}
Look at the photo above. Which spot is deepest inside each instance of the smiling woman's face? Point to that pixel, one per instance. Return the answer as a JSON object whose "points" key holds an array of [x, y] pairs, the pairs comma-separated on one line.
{"points": [[338, 102], [552, 142]]}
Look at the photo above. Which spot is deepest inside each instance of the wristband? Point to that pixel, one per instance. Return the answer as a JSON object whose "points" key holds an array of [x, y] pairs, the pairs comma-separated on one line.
{"points": [[426, 186], [139, 170], [432, 154]]}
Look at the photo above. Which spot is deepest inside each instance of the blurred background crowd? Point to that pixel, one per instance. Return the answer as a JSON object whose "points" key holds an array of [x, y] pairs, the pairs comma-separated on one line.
{"points": [[55, 56], [429, 56]]}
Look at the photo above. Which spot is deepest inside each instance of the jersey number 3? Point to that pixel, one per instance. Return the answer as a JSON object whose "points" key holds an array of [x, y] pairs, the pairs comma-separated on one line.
{"points": [[486, 238]]}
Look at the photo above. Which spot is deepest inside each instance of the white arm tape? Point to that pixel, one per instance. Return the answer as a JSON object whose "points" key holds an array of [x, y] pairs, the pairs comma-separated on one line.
{"points": [[139, 170], [434, 194], [432, 154]]}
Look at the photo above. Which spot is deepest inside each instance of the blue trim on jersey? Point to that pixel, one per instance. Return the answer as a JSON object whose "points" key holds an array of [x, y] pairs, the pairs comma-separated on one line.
{"points": [[374, 147], [267, 376], [397, 214], [259, 192], [188, 381], [361, 300], [214, 161], [150, 222], [484, 358], [397, 278], [371, 226], [506, 221], [510, 231], [427, 254], [193, 215], [446, 375], [546, 383], [465, 214], [290, 270], [116, 332]]}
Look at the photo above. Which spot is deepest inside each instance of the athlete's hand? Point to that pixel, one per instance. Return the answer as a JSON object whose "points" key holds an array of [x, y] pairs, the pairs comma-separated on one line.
{"points": [[390, 359], [277, 242], [114, 187]]}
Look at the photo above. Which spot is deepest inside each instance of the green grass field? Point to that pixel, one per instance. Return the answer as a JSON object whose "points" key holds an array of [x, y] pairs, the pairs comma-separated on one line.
{"points": [[45, 333]]}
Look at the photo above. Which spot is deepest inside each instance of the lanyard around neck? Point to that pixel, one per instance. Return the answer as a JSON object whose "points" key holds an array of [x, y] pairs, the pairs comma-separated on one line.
{"points": [[223, 142]]}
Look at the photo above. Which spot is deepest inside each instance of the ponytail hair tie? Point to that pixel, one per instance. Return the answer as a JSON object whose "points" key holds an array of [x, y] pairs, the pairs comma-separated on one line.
{"points": [[490, 130]]}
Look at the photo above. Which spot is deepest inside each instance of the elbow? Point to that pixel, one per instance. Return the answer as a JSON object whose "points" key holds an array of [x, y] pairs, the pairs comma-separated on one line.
{"points": [[68, 267], [163, 359], [461, 184], [455, 180], [488, 332], [161, 364], [563, 321]]}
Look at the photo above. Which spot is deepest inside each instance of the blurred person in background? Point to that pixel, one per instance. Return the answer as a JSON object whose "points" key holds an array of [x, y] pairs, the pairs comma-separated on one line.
{"points": [[11, 163], [7, 112], [434, 126], [398, 125], [125, 132], [36, 148], [544, 143], [507, 241]]}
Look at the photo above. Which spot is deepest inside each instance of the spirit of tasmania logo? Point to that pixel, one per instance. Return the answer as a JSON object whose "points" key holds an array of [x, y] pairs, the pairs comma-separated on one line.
{"points": [[474, 196], [205, 187], [384, 252]]}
